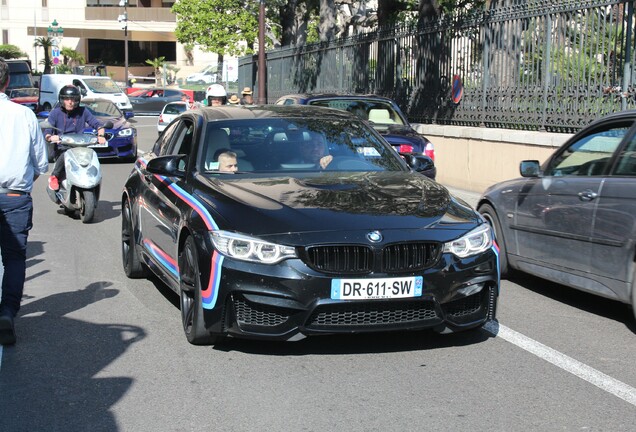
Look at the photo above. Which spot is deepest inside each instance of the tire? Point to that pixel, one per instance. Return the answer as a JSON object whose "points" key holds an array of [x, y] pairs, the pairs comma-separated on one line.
{"points": [[87, 206], [190, 296], [491, 217], [133, 267], [634, 293]]}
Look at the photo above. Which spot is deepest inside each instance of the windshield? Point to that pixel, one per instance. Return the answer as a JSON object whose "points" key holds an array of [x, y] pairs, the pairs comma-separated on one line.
{"points": [[377, 112], [297, 145], [102, 108], [23, 92], [102, 85]]}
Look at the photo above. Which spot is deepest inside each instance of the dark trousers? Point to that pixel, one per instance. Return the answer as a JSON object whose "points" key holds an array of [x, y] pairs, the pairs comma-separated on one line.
{"points": [[16, 219], [58, 168]]}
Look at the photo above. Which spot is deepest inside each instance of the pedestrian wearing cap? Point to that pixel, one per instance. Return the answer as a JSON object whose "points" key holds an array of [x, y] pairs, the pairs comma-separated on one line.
{"points": [[234, 100], [247, 98]]}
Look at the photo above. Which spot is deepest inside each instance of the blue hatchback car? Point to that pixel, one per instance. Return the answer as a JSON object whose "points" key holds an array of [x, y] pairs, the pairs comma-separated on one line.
{"points": [[123, 145]]}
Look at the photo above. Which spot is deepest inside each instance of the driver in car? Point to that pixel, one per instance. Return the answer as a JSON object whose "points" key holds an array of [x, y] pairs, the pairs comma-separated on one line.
{"points": [[314, 151]]}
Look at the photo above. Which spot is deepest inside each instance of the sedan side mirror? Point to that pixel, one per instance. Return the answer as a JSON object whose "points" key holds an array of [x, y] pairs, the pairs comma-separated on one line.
{"points": [[418, 162], [169, 166], [530, 168]]}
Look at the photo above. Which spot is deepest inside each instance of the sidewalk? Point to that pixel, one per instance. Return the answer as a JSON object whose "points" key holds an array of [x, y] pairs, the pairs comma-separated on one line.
{"points": [[470, 197]]}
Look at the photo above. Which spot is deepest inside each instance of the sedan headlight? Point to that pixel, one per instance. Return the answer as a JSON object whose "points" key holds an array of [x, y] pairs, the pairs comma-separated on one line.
{"points": [[125, 132], [247, 248], [473, 243]]}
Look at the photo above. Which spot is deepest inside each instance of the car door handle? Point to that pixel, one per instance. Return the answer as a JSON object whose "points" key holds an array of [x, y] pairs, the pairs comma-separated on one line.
{"points": [[587, 195]]}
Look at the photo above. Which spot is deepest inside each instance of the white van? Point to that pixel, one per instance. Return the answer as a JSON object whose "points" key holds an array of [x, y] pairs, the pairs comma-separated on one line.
{"points": [[90, 86]]}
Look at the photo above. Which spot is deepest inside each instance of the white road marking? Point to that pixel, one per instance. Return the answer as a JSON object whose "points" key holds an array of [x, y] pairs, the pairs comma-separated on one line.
{"points": [[575, 367]]}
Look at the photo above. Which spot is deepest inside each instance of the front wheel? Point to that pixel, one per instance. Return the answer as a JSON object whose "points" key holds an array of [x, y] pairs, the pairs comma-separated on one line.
{"points": [[491, 217], [87, 205], [634, 293], [133, 267], [190, 296]]}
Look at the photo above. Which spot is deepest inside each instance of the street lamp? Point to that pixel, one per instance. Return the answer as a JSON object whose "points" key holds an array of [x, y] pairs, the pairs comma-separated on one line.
{"points": [[55, 32], [123, 19]]}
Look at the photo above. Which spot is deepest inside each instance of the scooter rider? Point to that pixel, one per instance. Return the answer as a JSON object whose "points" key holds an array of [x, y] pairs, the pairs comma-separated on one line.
{"points": [[68, 117]]}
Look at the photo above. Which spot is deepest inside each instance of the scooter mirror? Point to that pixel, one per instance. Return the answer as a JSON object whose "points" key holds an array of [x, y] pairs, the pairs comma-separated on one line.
{"points": [[108, 124]]}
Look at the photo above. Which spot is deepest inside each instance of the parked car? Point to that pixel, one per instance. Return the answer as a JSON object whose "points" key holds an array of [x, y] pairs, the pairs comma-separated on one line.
{"points": [[383, 113], [25, 96], [207, 75], [169, 112], [150, 101], [572, 219], [284, 248], [123, 145]]}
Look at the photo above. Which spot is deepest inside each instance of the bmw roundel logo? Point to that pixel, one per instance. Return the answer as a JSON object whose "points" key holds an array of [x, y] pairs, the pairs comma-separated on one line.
{"points": [[374, 236]]}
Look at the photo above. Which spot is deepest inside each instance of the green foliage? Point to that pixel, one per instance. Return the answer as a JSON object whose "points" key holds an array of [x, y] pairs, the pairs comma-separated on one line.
{"points": [[11, 52], [72, 57], [218, 26], [46, 43]]}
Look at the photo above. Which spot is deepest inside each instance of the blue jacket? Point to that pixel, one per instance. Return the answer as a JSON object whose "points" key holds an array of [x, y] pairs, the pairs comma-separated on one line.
{"points": [[73, 122]]}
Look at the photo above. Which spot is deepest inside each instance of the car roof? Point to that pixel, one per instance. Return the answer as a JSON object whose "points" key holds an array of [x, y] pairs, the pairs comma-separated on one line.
{"points": [[269, 111], [312, 96]]}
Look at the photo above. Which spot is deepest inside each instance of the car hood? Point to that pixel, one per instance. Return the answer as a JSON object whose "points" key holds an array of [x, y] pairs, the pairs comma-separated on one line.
{"points": [[336, 202], [118, 123]]}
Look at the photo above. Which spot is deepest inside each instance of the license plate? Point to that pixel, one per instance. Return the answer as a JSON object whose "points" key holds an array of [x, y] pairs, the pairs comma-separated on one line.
{"points": [[98, 145], [381, 288]]}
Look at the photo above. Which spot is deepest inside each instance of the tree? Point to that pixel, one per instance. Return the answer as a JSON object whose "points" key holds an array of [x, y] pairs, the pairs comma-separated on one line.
{"points": [[70, 57], [46, 43], [218, 26], [11, 51], [157, 65]]}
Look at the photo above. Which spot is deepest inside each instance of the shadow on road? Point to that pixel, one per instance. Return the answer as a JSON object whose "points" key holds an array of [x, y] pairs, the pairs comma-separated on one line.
{"points": [[51, 373], [590, 303]]}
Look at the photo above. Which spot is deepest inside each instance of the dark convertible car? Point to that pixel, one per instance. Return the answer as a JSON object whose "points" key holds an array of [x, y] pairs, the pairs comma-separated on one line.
{"points": [[323, 229]]}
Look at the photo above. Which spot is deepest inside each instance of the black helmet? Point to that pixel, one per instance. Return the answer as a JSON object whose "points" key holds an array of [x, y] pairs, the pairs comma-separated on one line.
{"points": [[69, 92]]}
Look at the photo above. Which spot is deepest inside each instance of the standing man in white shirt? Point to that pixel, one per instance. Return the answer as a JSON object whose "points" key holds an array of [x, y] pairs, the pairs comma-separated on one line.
{"points": [[22, 159]]}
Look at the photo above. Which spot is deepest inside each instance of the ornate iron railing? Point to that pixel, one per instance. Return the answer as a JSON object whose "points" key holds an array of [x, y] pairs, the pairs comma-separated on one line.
{"points": [[534, 65]]}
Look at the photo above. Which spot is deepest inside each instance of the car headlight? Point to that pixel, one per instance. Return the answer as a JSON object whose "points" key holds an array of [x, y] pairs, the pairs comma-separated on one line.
{"points": [[125, 132], [247, 248], [473, 243]]}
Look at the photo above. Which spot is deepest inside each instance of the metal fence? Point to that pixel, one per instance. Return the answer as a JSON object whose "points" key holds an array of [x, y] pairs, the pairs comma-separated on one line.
{"points": [[533, 65]]}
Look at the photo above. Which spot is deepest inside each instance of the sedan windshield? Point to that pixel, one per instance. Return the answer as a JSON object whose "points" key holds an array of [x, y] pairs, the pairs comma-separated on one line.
{"points": [[376, 111], [299, 144], [102, 108]]}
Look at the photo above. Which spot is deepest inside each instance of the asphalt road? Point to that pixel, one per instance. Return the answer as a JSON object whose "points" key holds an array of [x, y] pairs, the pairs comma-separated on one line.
{"points": [[97, 351]]}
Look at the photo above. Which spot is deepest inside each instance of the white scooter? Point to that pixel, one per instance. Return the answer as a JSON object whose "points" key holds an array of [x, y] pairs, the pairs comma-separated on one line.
{"points": [[79, 191]]}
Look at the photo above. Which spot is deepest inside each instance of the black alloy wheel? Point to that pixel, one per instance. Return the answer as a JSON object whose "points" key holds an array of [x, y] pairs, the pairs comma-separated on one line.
{"points": [[190, 296], [133, 267]]}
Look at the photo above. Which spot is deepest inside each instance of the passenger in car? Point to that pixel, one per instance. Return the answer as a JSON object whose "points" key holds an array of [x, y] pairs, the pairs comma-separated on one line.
{"points": [[228, 162]]}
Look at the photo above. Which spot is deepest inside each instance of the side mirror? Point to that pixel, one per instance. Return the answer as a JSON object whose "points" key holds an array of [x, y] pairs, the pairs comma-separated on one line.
{"points": [[167, 165], [418, 162], [530, 168], [128, 115]]}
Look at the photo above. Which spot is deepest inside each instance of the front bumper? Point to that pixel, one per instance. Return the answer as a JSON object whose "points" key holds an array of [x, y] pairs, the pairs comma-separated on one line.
{"points": [[118, 148], [291, 302]]}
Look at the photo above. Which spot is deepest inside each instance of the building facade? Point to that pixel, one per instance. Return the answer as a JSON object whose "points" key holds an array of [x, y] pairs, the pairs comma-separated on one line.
{"points": [[94, 28]]}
